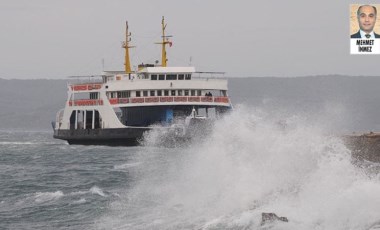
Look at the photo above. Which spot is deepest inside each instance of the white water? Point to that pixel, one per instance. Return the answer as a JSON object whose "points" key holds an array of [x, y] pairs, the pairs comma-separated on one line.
{"points": [[250, 164], [96, 190], [47, 196]]}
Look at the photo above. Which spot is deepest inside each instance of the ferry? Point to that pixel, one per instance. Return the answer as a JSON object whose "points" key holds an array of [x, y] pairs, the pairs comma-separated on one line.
{"points": [[120, 107]]}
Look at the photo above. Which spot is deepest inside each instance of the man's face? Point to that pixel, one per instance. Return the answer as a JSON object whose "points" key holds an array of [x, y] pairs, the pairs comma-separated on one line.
{"points": [[367, 18]]}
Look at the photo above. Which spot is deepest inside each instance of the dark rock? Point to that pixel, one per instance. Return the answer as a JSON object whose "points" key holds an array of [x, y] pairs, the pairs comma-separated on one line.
{"points": [[364, 146], [271, 217]]}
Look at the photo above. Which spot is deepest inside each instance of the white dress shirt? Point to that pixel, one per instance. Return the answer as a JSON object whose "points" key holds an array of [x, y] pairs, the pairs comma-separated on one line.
{"points": [[362, 34]]}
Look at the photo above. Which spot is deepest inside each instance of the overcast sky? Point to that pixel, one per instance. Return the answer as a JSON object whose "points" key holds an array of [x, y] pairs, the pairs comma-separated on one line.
{"points": [[59, 38]]}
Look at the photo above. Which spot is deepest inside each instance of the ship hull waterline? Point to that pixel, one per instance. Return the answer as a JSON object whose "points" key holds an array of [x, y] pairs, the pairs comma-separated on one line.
{"points": [[111, 137], [125, 136]]}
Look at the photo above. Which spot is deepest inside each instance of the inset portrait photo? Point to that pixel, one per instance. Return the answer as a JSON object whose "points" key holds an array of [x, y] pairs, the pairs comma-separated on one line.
{"points": [[365, 29]]}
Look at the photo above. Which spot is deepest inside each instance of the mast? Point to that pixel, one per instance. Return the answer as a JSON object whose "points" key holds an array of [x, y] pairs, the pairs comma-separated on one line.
{"points": [[126, 46], [165, 41]]}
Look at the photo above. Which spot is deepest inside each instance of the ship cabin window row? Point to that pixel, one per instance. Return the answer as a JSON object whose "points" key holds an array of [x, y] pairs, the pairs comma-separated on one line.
{"points": [[148, 93], [84, 96], [119, 94], [165, 93], [171, 77]]}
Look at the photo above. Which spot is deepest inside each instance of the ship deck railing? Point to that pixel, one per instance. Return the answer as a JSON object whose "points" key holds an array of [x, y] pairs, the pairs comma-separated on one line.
{"points": [[158, 99]]}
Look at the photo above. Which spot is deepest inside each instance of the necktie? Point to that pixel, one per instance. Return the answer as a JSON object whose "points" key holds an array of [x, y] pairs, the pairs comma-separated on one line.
{"points": [[367, 35]]}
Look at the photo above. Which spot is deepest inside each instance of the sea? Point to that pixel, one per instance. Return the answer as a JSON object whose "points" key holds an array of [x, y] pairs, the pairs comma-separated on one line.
{"points": [[262, 158]]}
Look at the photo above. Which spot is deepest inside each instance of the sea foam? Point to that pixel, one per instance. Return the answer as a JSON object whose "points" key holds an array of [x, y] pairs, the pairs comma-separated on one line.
{"points": [[253, 163], [98, 191], [47, 196]]}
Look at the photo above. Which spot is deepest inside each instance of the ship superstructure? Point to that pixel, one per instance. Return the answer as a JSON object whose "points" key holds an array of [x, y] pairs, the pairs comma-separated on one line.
{"points": [[118, 107]]}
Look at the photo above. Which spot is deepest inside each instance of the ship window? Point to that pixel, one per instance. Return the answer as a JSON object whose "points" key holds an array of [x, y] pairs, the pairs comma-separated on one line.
{"points": [[143, 76], [171, 77], [123, 94], [108, 94], [161, 77], [187, 76], [186, 92], [145, 93], [181, 76], [94, 95], [152, 93], [113, 94], [192, 92], [179, 92], [199, 93], [223, 93], [138, 94], [173, 92], [154, 77], [166, 92], [159, 93]]}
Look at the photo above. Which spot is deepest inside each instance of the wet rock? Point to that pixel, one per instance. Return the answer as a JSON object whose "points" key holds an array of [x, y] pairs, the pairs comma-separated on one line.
{"points": [[364, 146], [271, 217]]}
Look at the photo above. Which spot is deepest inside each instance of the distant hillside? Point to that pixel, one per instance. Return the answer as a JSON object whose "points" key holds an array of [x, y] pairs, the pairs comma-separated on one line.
{"points": [[354, 102], [348, 103], [30, 104]]}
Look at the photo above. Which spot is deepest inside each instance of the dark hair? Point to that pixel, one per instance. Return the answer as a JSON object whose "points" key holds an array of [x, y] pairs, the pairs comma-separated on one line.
{"points": [[374, 8]]}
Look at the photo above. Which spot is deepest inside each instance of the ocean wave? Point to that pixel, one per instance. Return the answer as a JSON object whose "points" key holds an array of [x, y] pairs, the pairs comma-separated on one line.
{"points": [[80, 201], [95, 190], [41, 197], [98, 191], [250, 164], [17, 143], [79, 193], [126, 166]]}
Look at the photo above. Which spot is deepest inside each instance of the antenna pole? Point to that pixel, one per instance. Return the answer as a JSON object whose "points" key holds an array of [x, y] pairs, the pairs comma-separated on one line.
{"points": [[126, 46], [165, 41], [163, 59]]}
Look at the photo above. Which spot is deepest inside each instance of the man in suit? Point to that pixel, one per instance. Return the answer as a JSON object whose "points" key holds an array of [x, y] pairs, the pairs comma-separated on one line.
{"points": [[366, 18]]}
